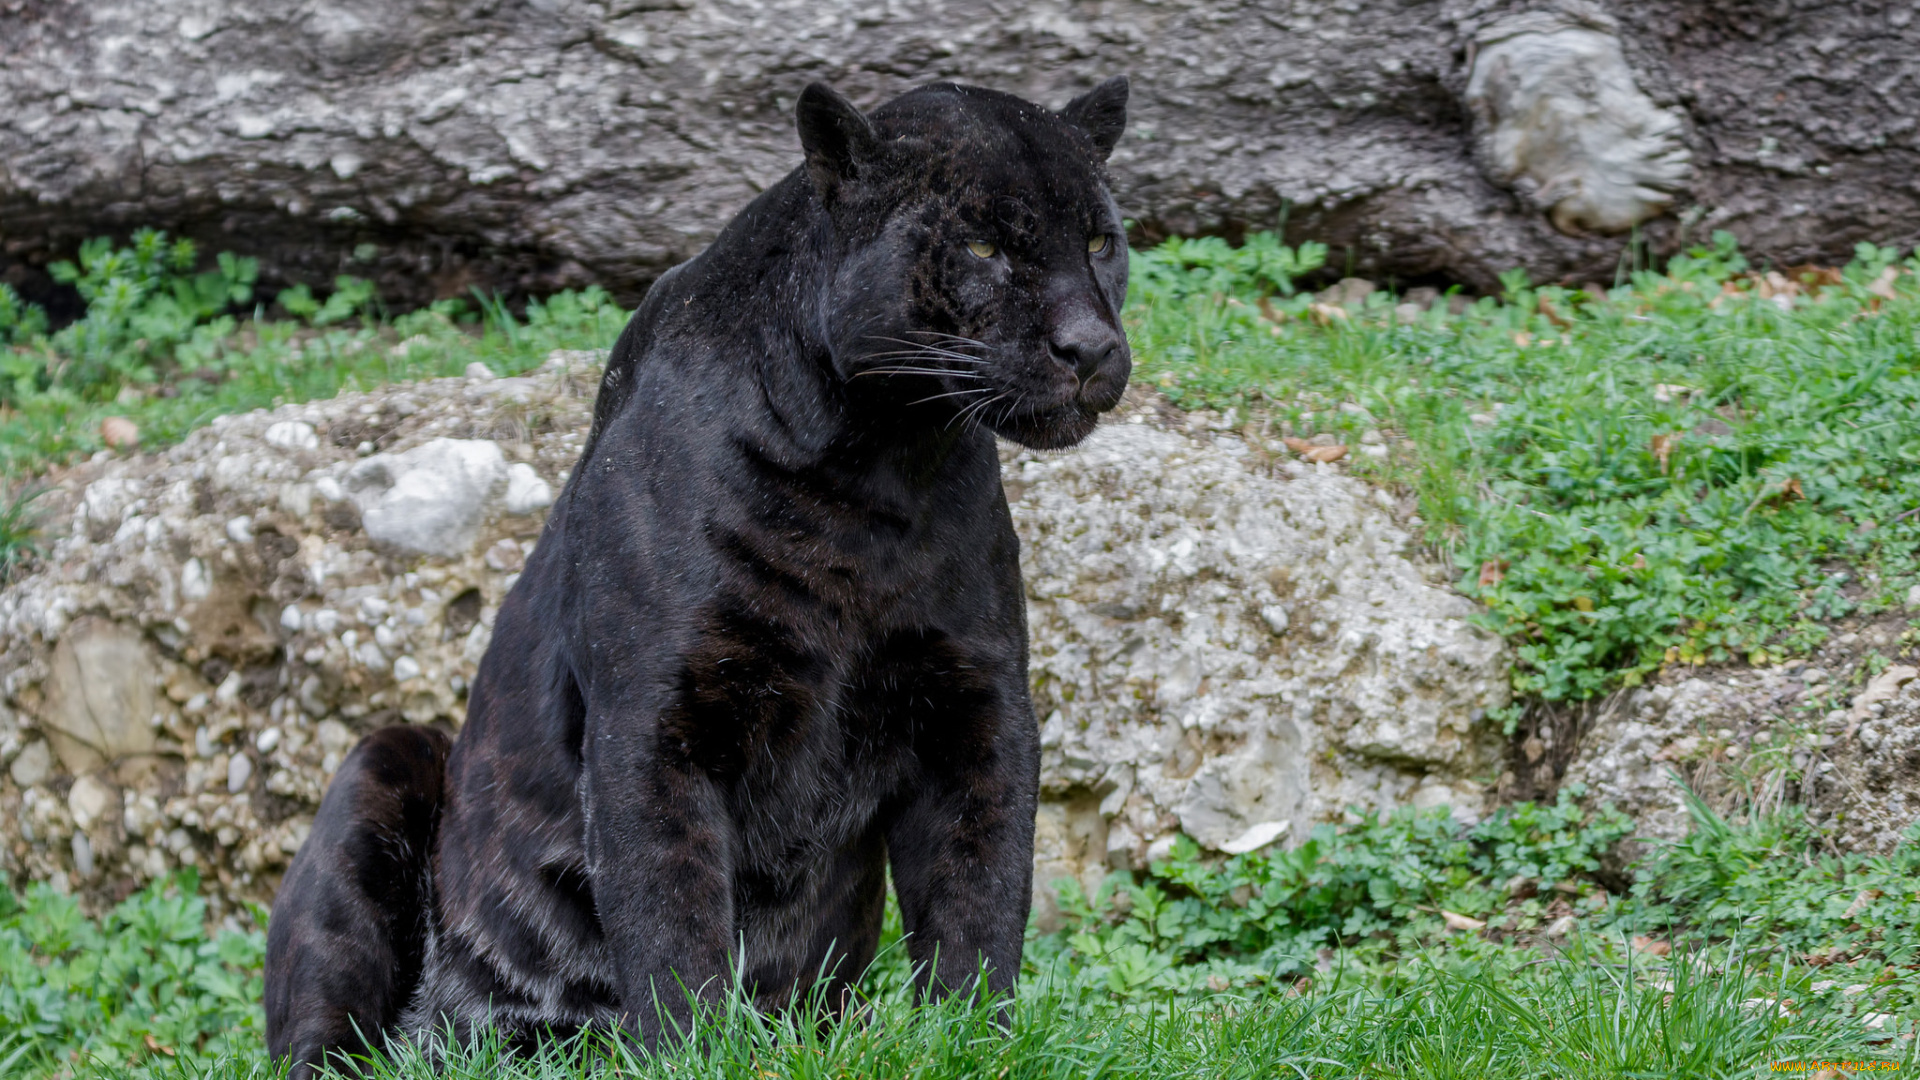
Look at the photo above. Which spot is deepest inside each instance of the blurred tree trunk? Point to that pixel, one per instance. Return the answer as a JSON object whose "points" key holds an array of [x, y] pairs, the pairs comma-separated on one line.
{"points": [[532, 144]]}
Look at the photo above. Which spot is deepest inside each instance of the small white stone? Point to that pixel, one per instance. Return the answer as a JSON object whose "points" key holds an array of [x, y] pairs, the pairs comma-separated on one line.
{"points": [[1275, 617], [329, 489], [33, 765], [478, 370], [326, 621], [240, 530], [89, 800], [405, 668], [1161, 850], [1913, 599], [82, 854], [1255, 838], [239, 771], [195, 582], [267, 740], [292, 435], [290, 618], [526, 492]]}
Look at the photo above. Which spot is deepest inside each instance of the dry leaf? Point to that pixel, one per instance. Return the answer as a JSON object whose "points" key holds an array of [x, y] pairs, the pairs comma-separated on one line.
{"points": [[1882, 286], [1814, 278], [1492, 571], [119, 432], [1779, 494], [1861, 902], [1312, 452], [1663, 449], [157, 1047], [1523, 339], [1583, 603], [1554, 317], [1651, 946], [1669, 392], [1268, 312], [1457, 921], [1639, 562]]}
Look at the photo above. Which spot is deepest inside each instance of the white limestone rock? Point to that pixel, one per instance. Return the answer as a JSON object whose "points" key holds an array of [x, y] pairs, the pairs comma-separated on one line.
{"points": [[431, 499], [1236, 645], [526, 491]]}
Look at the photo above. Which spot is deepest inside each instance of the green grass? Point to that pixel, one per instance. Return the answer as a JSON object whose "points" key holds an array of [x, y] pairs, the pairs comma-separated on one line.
{"points": [[162, 346], [1675, 469], [1772, 959]]}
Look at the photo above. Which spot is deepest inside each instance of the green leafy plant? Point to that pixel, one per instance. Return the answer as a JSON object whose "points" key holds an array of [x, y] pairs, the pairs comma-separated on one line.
{"points": [[1382, 883], [19, 321], [144, 984], [351, 296]]}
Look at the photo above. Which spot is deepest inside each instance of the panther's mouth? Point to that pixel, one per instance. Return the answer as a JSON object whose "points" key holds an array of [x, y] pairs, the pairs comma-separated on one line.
{"points": [[1053, 428]]}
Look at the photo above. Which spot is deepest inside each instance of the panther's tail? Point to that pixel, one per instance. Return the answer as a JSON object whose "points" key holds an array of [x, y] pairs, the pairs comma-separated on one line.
{"points": [[348, 932]]}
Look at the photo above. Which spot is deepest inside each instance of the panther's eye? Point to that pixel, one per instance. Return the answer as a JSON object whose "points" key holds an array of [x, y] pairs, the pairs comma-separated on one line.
{"points": [[981, 248], [1097, 244]]}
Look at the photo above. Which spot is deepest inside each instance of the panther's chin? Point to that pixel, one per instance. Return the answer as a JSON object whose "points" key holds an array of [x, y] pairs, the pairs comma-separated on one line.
{"points": [[1049, 429]]}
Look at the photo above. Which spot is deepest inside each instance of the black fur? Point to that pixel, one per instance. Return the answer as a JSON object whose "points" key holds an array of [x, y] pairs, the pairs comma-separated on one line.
{"points": [[773, 637], [349, 933]]}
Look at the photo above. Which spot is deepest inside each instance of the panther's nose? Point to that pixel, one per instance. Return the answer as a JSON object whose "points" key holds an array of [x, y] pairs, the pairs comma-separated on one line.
{"points": [[1084, 348]]}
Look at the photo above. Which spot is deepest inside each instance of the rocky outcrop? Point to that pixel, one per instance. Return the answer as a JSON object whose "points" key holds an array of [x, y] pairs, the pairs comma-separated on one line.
{"points": [[1225, 643], [1235, 645], [220, 621], [1836, 732], [436, 144]]}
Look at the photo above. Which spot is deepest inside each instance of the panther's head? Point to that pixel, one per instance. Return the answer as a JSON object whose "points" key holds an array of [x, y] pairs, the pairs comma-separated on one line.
{"points": [[979, 261]]}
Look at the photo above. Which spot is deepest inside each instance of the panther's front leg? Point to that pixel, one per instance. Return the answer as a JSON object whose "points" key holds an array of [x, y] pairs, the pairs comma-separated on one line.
{"points": [[961, 844], [661, 853]]}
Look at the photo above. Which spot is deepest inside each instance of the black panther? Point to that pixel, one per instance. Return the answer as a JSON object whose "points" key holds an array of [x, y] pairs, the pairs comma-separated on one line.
{"points": [[773, 639]]}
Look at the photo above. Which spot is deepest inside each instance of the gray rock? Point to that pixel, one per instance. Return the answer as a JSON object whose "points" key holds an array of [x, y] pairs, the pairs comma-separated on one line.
{"points": [[99, 695], [1243, 648], [34, 765], [431, 499], [1561, 120]]}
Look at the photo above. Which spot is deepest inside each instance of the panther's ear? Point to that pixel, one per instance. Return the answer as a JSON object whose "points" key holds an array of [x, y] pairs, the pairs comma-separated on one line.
{"points": [[1101, 112], [838, 140]]}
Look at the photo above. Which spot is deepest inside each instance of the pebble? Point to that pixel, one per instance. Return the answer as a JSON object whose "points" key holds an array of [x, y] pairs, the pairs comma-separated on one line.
{"points": [[239, 771]]}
